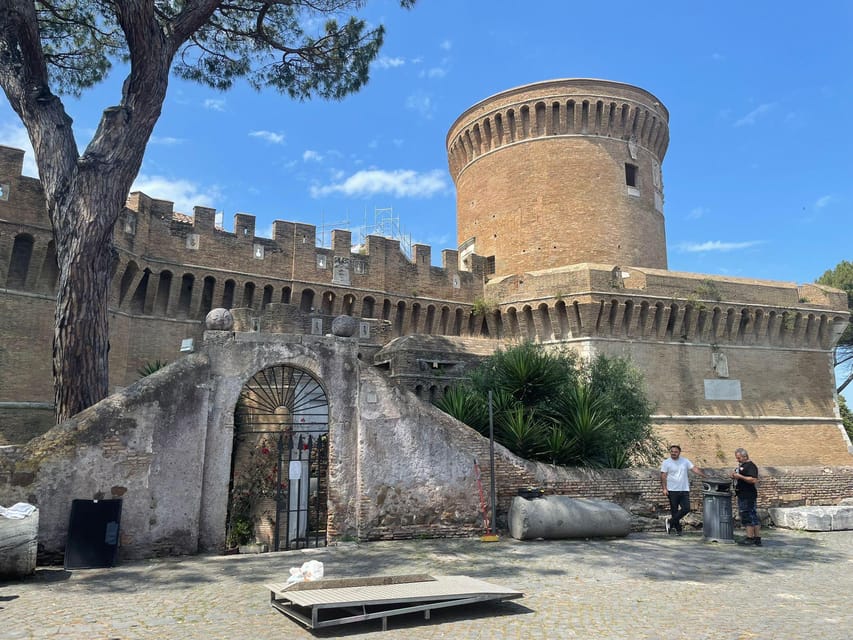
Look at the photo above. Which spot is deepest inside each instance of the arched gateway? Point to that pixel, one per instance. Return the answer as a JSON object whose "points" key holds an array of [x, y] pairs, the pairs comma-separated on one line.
{"points": [[279, 469]]}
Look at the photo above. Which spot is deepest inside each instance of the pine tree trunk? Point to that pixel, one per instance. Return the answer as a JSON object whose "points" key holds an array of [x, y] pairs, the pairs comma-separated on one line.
{"points": [[81, 327]]}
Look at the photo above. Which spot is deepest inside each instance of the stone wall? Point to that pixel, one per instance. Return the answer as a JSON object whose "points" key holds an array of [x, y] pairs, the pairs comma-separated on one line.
{"points": [[399, 468], [145, 445]]}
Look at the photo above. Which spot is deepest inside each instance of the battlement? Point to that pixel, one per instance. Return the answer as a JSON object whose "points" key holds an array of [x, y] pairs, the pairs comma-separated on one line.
{"points": [[284, 233], [658, 305], [561, 172], [572, 107]]}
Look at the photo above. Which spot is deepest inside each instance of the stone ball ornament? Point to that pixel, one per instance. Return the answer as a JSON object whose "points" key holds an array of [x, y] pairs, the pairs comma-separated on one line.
{"points": [[219, 320], [344, 326]]}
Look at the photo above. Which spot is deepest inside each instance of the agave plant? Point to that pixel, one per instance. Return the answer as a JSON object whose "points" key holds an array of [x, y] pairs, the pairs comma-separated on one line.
{"points": [[465, 405], [519, 430], [586, 425], [150, 367]]}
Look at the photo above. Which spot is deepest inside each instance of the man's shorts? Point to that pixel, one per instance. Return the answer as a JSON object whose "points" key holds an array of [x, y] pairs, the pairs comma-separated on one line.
{"points": [[748, 513]]}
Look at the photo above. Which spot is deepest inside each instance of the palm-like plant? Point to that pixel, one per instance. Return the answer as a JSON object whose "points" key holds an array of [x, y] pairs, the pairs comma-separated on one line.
{"points": [[586, 425], [464, 404], [551, 406], [520, 431], [526, 372], [150, 367]]}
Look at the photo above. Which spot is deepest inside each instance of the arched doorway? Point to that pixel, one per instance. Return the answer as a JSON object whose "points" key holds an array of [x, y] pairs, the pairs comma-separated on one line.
{"points": [[279, 467]]}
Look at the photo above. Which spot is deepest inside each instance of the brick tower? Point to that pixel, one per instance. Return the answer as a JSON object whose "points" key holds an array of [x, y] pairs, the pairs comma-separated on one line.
{"points": [[561, 172]]}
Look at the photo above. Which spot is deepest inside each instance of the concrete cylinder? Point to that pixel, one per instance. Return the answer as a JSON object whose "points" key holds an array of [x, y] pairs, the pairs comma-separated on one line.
{"points": [[556, 517]]}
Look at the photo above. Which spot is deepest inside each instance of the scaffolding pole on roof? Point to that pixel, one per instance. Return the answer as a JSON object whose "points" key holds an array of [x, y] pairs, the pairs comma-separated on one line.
{"points": [[328, 227], [387, 225]]}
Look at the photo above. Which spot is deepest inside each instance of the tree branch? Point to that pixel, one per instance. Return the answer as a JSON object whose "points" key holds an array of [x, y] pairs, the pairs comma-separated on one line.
{"points": [[844, 384]]}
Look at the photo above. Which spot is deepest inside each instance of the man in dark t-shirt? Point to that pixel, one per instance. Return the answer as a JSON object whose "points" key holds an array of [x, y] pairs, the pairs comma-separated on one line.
{"points": [[746, 476]]}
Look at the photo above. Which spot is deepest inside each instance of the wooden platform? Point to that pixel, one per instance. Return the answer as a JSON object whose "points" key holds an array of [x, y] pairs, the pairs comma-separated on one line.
{"points": [[329, 602]]}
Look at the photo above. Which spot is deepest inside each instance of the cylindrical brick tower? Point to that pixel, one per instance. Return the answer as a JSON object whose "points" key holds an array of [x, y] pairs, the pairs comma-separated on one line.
{"points": [[561, 172]]}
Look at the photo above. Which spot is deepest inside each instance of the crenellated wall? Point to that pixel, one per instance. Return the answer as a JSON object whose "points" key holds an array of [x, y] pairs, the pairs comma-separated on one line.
{"points": [[173, 269]]}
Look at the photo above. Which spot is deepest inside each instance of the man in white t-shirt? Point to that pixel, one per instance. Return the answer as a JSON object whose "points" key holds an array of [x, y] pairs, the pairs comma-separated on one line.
{"points": [[676, 487]]}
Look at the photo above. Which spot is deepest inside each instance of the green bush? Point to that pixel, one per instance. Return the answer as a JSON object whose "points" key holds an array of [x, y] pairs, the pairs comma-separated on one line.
{"points": [[556, 408]]}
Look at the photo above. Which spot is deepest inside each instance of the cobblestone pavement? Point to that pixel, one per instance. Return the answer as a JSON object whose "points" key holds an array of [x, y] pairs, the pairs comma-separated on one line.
{"points": [[798, 585]]}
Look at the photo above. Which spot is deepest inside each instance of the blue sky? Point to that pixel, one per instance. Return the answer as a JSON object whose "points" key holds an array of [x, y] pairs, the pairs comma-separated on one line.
{"points": [[757, 179]]}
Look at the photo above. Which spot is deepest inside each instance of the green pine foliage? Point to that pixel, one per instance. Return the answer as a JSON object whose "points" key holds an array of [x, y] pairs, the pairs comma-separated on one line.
{"points": [[554, 407], [846, 416], [841, 277]]}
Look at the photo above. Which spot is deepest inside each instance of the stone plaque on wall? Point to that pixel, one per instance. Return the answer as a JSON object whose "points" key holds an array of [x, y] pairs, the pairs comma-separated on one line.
{"points": [[722, 390], [340, 273]]}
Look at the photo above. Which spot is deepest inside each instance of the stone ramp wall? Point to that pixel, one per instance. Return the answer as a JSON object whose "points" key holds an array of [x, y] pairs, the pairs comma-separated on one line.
{"points": [[144, 445]]}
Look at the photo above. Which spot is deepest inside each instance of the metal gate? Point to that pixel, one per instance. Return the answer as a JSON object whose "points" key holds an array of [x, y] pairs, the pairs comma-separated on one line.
{"points": [[279, 477]]}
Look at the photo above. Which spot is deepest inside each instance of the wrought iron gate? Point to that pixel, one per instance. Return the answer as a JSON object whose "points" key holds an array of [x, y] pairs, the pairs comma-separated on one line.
{"points": [[279, 478]]}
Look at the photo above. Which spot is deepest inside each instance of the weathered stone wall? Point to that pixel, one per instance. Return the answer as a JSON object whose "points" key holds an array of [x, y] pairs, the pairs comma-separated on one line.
{"points": [[399, 468], [145, 445]]}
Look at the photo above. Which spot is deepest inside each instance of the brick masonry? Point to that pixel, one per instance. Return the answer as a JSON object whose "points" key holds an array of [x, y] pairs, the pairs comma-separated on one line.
{"points": [[555, 246]]}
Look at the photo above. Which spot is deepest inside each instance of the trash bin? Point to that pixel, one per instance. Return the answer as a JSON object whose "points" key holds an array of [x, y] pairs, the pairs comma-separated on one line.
{"points": [[717, 523]]}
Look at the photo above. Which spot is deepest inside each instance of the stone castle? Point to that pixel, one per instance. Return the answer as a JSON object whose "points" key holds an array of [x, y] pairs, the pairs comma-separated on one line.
{"points": [[561, 241]]}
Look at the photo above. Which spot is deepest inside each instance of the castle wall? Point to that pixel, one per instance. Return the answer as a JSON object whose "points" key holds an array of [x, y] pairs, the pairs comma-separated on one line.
{"points": [[397, 468], [173, 269]]}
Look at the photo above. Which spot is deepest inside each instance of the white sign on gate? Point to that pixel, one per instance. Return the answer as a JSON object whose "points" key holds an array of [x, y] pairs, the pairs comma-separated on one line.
{"points": [[295, 470]]}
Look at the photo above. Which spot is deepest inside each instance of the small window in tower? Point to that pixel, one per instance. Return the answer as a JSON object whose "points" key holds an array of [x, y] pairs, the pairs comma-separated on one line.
{"points": [[630, 174], [490, 265]]}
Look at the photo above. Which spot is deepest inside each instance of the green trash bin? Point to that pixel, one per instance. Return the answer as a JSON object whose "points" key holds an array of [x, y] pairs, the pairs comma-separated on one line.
{"points": [[717, 521]]}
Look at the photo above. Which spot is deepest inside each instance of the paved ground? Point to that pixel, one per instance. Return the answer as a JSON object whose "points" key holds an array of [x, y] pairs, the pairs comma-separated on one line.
{"points": [[799, 585]]}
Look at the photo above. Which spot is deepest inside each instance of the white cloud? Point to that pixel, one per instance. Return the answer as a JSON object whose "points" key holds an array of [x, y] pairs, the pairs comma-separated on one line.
{"points": [[14, 135], [184, 193], [269, 136], [715, 245], [422, 103], [696, 212], [717, 56], [434, 73], [402, 183], [215, 104], [751, 117], [390, 63], [447, 45], [310, 155], [166, 140], [823, 201]]}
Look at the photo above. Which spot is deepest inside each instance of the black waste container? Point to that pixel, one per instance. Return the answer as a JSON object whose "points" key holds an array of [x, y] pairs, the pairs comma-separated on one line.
{"points": [[717, 523]]}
